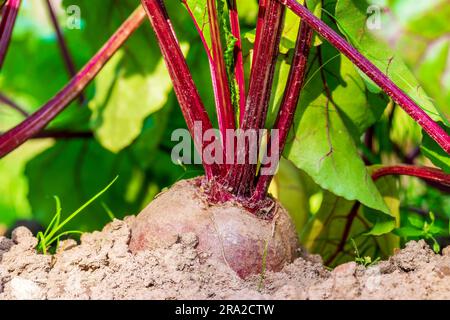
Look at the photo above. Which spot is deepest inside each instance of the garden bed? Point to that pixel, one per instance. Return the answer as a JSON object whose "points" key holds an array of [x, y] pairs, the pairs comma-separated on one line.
{"points": [[102, 267]]}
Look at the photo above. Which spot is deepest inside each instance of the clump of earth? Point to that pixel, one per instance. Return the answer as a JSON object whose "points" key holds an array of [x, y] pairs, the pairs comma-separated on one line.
{"points": [[103, 267]]}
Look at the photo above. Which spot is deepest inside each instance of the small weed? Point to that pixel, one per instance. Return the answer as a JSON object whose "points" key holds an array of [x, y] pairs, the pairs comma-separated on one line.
{"points": [[419, 228], [365, 261], [108, 211], [51, 235]]}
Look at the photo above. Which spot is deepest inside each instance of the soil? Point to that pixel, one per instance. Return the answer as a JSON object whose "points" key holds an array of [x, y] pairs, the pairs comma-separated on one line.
{"points": [[102, 267]]}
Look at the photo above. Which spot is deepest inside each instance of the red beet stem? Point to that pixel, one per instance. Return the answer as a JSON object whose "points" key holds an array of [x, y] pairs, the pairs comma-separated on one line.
{"points": [[431, 175], [67, 57], [290, 100], [425, 173], [239, 59], [190, 102], [9, 14], [259, 27], [383, 81], [241, 177], [225, 112]]}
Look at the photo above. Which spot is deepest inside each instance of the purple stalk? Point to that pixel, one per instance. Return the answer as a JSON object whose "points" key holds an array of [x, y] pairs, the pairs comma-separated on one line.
{"points": [[239, 65], [68, 60], [212, 66], [425, 173], [10, 10], [262, 8], [217, 82], [184, 86], [240, 178], [64, 135], [431, 175], [225, 112], [383, 81], [290, 100], [7, 101], [40, 119]]}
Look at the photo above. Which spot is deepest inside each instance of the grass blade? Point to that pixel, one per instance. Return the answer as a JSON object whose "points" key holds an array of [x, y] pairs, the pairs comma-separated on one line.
{"points": [[74, 214]]}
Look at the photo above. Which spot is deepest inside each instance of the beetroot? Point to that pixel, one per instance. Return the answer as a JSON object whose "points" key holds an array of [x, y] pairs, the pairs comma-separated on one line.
{"points": [[227, 232]]}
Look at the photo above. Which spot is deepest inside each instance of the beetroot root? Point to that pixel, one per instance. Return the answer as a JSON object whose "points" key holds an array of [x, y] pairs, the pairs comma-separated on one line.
{"points": [[227, 232]]}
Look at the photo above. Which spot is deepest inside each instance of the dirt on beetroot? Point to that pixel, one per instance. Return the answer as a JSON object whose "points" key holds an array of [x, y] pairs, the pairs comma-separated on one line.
{"points": [[102, 267]]}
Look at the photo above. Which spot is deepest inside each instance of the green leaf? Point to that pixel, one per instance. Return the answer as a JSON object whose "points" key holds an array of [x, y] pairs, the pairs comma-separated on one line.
{"points": [[432, 73], [324, 149], [434, 152], [134, 83], [437, 231], [292, 23], [325, 229], [382, 227], [124, 100], [153, 134], [418, 32], [293, 188], [200, 10], [436, 246], [248, 12], [328, 124], [351, 16], [409, 232], [359, 107], [432, 217], [383, 224], [416, 220], [290, 29], [336, 218], [279, 86], [14, 188], [99, 19]]}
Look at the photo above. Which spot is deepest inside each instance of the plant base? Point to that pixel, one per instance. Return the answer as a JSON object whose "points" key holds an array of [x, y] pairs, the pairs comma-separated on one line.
{"points": [[227, 232]]}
